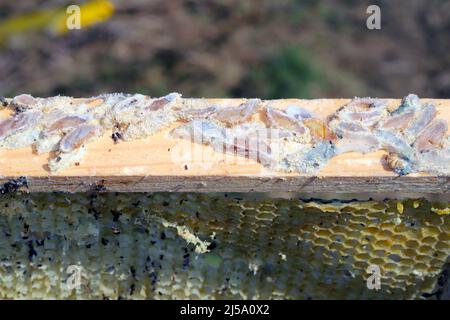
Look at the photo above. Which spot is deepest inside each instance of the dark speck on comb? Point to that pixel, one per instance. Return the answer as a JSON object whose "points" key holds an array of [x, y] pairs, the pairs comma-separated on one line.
{"points": [[116, 136], [212, 245]]}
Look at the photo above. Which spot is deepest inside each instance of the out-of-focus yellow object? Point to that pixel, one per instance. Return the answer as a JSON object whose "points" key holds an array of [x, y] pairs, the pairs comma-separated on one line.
{"points": [[441, 212], [55, 20], [92, 12], [400, 207]]}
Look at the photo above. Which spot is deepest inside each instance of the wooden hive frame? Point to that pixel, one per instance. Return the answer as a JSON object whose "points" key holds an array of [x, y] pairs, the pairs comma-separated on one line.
{"points": [[148, 165]]}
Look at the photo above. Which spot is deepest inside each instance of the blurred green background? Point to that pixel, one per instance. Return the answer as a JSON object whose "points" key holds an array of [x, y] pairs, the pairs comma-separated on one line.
{"points": [[226, 48]]}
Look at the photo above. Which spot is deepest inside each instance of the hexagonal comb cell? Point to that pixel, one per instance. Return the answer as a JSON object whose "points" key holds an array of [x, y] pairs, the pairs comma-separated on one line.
{"points": [[211, 246]]}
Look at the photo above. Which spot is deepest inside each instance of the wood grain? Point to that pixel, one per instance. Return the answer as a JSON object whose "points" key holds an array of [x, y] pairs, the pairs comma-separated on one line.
{"points": [[161, 163]]}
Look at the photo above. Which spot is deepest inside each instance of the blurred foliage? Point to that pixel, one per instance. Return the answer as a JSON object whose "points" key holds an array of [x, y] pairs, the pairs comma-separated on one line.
{"points": [[29, 22], [220, 48], [291, 73]]}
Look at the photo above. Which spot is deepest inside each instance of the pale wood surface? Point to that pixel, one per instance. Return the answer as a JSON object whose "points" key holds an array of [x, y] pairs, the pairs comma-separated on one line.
{"points": [[154, 164]]}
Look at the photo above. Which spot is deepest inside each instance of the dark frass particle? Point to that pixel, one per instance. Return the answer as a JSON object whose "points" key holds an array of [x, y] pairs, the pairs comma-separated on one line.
{"points": [[186, 260], [94, 212], [116, 136], [133, 272], [116, 215], [136, 204], [31, 251], [212, 245], [132, 288], [154, 277]]}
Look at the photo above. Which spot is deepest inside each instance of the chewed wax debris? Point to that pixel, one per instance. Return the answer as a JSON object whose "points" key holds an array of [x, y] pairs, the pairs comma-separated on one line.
{"points": [[292, 139]]}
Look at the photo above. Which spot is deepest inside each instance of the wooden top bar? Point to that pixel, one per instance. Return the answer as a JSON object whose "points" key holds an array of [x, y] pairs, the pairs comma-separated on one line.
{"points": [[161, 163]]}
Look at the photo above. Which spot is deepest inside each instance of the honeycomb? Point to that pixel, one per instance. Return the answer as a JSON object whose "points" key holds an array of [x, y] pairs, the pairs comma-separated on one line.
{"points": [[219, 246]]}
